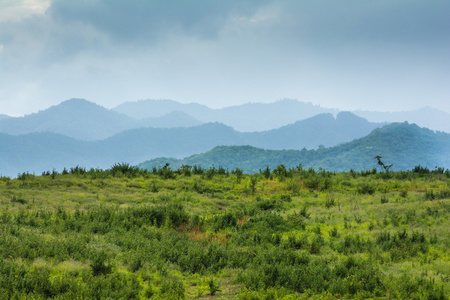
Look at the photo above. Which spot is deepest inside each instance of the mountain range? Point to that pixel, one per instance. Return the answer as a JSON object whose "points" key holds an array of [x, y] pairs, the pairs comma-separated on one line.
{"points": [[43, 150], [79, 132], [266, 116], [401, 144], [84, 120], [246, 117]]}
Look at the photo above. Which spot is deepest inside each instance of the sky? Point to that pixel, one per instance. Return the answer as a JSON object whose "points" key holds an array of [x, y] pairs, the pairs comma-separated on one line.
{"points": [[384, 55]]}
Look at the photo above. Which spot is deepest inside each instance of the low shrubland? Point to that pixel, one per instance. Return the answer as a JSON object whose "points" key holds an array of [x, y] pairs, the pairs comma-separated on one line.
{"points": [[193, 232]]}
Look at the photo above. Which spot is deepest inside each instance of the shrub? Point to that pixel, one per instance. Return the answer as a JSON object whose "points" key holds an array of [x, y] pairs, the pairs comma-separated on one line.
{"points": [[366, 188], [214, 287], [330, 202], [100, 264], [266, 172], [172, 288], [19, 200], [280, 172], [333, 232], [223, 221], [312, 183], [267, 204], [293, 242], [429, 195]]}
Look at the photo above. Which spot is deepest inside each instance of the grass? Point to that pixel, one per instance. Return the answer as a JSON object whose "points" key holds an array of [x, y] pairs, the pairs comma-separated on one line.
{"points": [[172, 235]]}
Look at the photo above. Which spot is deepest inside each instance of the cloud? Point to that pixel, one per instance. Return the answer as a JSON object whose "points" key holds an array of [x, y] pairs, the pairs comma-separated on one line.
{"points": [[226, 52], [16, 10], [146, 21]]}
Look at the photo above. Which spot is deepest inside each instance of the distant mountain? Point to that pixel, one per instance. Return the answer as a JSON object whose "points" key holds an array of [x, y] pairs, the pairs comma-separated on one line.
{"points": [[265, 116], [156, 108], [401, 144], [75, 118], [425, 117], [320, 130], [137, 145], [170, 120], [245, 118], [2, 117], [85, 120], [37, 152]]}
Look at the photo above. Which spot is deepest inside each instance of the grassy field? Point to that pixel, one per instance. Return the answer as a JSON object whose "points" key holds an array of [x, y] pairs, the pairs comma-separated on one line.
{"points": [[203, 233]]}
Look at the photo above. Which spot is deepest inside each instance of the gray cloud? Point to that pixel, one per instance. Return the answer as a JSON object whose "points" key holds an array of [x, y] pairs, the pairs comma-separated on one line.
{"points": [[146, 21], [347, 54]]}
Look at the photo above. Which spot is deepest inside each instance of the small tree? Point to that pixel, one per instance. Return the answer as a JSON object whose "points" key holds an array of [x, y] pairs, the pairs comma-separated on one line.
{"points": [[385, 167], [280, 171]]}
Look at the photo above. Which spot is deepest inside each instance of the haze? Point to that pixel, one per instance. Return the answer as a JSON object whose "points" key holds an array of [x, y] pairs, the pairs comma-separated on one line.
{"points": [[386, 55]]}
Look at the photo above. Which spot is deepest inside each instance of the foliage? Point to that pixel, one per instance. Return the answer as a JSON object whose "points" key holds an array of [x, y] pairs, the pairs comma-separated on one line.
{"points": [[194, 232]]}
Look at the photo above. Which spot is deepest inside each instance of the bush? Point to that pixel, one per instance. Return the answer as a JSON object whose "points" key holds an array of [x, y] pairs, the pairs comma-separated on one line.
{"points": [[100, 264], [214, 287], [19, 200], [366, 188], [223, 221], [330, 202]]}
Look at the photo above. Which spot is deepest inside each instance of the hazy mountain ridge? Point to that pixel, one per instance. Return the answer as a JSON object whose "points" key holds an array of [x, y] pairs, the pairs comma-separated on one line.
{"points": [[29, 152], [266, 116], [85, 120], [156, 108], [245, 118], [401, 144], [320, 130]]}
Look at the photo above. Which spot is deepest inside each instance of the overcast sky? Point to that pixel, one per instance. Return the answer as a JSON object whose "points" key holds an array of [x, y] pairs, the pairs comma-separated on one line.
{"points": [[385, 55]]}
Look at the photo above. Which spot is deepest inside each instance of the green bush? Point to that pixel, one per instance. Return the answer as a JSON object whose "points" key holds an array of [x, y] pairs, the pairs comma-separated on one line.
{"points": [[100, 264], [366, 188]]}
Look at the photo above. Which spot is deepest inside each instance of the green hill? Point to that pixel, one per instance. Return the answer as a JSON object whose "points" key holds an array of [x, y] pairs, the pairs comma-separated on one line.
{"points": [[401, 144]]}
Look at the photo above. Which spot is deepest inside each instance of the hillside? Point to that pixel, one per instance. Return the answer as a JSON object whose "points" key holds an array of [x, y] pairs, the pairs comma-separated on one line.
{"points": [[401, 144], [320, 130], [37, 152], [127, 233]]}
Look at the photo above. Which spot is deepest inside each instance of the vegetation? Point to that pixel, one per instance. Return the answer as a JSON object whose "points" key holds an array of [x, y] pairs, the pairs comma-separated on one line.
{"points": [[402, 144], [281, 233]]}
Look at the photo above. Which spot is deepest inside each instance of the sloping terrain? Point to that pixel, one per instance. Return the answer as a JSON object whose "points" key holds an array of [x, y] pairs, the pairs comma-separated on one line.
{"points": [[401, 144], [37, 152]]}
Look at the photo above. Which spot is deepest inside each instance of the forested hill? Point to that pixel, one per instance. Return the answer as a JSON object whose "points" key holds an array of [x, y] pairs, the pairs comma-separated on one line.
{"points": [[401, 144], [37, 152]]}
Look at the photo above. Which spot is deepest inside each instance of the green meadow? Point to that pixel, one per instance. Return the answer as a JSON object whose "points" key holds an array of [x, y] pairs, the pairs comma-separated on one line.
{"points": [[195, 233]]}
